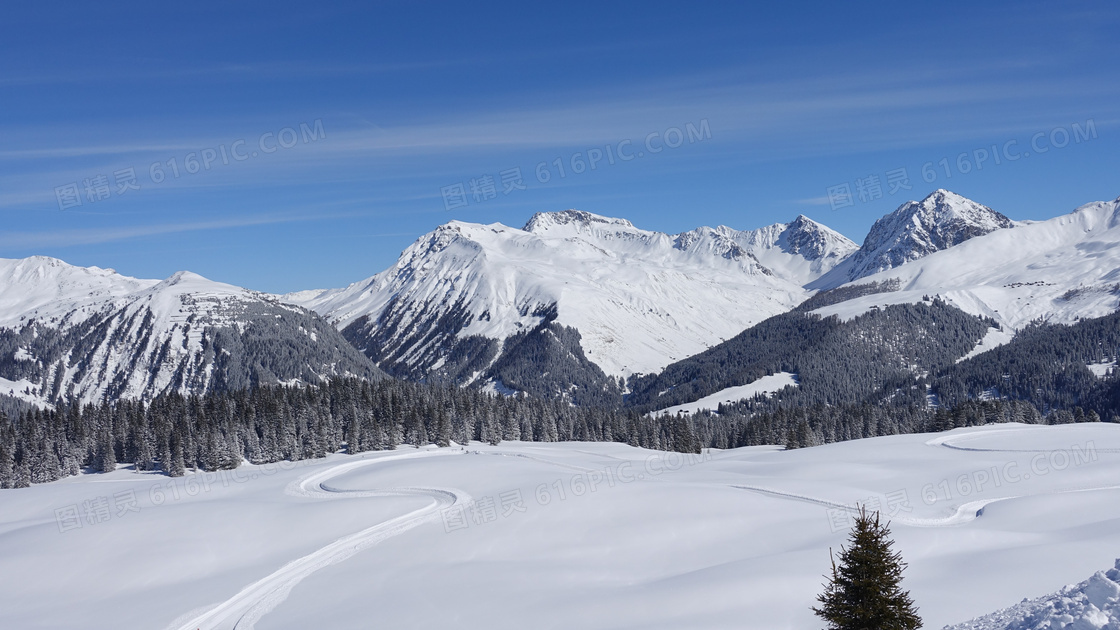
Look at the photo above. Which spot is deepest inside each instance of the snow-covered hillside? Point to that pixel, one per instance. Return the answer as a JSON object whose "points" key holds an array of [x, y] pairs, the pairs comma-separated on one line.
{"points": [[1058, 270], [711, 402], [639, 299], [560, 535], [91, 333], [916, 229]]}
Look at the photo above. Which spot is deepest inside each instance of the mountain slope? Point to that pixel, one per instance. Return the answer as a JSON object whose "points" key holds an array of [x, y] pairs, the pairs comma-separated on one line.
{"points": [[916, 229], [91, 333], [637, 299], [1060, 271], [835, 362]]}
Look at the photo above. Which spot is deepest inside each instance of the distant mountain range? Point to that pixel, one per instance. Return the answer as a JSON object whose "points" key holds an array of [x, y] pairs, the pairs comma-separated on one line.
{"points": [[571, 305]]}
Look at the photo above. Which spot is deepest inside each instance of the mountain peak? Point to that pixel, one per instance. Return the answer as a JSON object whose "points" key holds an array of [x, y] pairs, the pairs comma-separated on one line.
{"points": [[916, 229], [945, 206], [814, 241], [542, 222], [919, 228], [945, 193], [184, 276]]}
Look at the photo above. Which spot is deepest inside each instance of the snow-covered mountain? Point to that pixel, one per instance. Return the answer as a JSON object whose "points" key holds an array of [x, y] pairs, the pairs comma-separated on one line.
{"points": [[561, 306], [1060, 270], [915, 230], [92, 333], [638, 299], [800, 251]]}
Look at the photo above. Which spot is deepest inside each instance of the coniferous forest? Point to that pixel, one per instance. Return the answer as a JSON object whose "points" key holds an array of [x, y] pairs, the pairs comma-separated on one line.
{"points": [[1040, 377], [269, 424]]}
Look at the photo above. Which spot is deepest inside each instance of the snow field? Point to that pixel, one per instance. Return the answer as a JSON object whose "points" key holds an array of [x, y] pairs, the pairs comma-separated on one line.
{"points": [[729, 539]]}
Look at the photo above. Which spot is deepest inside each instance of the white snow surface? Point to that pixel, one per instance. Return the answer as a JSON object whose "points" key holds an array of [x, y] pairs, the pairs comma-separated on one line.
{"points": [[22, 389], [765, 385], [640, 299], [55, 292], [1090, 605], [730, 539], [1102, 369], [1058, 270], [994, 338]]}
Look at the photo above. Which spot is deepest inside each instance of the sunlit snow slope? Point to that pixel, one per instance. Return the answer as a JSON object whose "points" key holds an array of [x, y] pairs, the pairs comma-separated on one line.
{"points": [[1058, 271], [639, 299]]}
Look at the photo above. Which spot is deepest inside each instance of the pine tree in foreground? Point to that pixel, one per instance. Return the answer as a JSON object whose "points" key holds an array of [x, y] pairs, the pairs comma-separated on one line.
{"points": [[865, 590]]}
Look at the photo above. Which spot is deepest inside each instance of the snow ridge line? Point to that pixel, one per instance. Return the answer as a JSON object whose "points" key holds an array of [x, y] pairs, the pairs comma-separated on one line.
{"points": [[967, 512], [1018, 450], [250, 604]]}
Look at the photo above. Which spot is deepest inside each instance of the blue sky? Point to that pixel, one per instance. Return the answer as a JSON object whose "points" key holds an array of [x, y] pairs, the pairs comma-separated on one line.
{"points": [[354, 122]]}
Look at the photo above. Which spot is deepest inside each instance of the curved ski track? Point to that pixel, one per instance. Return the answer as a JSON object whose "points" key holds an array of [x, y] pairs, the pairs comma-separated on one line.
{"points": [[243, 610], [965, 512]]}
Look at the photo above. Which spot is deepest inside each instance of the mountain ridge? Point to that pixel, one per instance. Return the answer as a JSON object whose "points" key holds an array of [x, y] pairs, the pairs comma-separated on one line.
{"points": [[571, 292]]}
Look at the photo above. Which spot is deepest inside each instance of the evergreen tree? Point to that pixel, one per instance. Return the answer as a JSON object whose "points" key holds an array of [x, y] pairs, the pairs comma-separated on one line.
{"points": [[443, 427], [106, 457], [7, 454], [177, 468], [865, 591]]}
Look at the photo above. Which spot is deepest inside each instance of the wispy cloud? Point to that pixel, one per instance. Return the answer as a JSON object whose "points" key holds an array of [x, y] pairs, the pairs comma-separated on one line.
{"points": [[813, 201], [20, 241], [291, 70], [750, 120], [839, 104]]}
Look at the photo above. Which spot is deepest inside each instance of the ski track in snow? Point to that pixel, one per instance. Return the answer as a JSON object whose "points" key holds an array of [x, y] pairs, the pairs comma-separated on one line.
{"points": [[965, 512], [946, 441], [247, 607]]}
